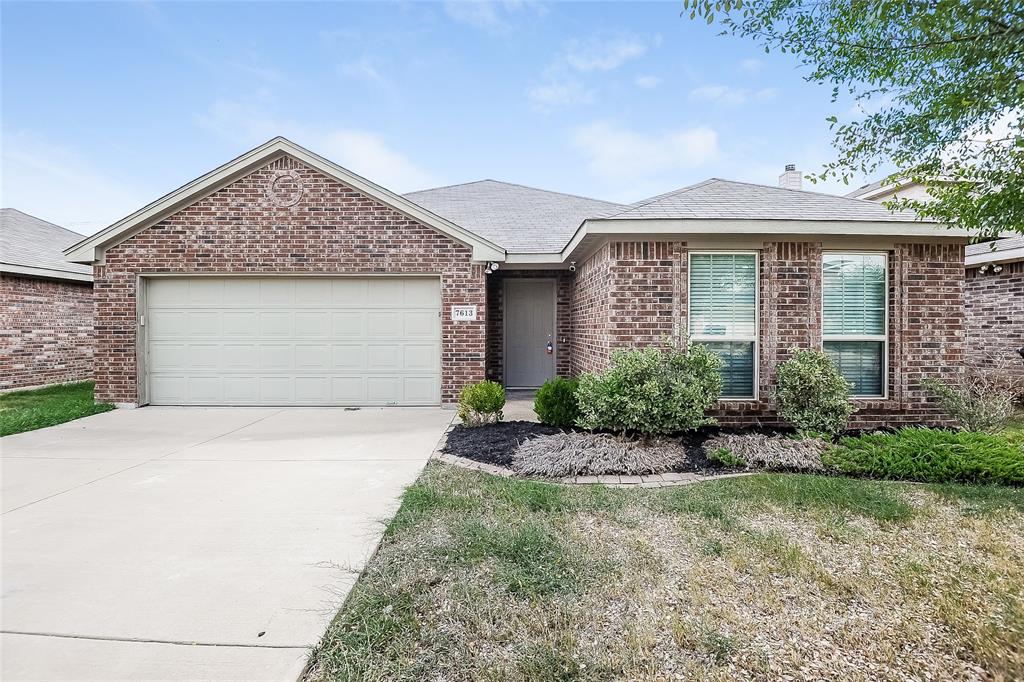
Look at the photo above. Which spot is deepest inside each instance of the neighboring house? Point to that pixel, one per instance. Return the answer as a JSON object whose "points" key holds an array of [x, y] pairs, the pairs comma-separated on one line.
{"points": [[46, 309], [882, 190], [281, 278], [995, 304]]}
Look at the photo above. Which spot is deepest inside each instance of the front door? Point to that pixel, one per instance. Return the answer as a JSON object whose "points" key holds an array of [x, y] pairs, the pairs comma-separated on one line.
{"points": [[529, 329]]}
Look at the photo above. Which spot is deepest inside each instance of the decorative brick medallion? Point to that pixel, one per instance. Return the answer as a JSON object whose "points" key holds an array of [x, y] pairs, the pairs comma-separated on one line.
{"points": [[284, 188]]}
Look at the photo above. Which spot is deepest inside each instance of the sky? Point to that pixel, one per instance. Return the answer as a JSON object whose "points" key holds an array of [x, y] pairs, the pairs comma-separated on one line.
{"points": [[108, 106]]}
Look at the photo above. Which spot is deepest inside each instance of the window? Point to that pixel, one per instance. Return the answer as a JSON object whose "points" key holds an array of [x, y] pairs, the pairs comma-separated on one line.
{"points": [[723, 315], [854, 318]]}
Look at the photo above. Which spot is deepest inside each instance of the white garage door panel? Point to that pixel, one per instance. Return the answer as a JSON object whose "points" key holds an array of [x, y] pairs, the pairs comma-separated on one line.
{"points": [[294, 341]]}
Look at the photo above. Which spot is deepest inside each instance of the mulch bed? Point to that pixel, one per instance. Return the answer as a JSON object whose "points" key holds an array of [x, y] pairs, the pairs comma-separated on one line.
{"points": [[493, 443]]}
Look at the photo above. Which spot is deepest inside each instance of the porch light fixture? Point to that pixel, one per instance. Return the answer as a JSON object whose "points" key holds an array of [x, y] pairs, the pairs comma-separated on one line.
{"points": [[491, 267]]}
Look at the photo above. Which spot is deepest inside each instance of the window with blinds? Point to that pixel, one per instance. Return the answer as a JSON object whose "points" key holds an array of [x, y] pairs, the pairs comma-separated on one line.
{"points": [[854, 318], [723, 316]]}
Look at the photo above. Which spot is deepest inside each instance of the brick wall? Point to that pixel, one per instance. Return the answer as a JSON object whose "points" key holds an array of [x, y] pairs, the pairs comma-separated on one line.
{"points": [[496, 320], [46, 334], [994, 303], [591, 287], [331, 229], [644, 285]]}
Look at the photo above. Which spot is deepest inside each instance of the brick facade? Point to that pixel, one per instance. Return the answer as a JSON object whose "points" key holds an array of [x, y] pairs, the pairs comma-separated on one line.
{"points": [[46, 331], [634, 293], [496, 320], [994, 303], [330, 229]]}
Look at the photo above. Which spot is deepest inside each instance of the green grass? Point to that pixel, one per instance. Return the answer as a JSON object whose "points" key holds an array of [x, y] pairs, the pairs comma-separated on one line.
{"points": [[488, 578], [29, 410]]}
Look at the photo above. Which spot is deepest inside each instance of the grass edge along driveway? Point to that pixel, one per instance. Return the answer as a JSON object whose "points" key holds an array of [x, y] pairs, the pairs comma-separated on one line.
{"points": [[22, 411], [485, 578]]}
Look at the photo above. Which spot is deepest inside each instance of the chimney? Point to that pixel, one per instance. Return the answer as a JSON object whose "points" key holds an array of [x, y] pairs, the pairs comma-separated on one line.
{"points": [[791, 178]]}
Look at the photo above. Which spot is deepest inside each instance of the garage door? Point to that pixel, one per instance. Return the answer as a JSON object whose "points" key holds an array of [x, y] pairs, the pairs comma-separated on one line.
{"points": [[293, 341]]}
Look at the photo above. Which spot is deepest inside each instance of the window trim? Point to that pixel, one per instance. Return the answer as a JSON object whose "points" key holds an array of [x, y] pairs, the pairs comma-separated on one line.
{"points": [[883, 337], [755, 339]]}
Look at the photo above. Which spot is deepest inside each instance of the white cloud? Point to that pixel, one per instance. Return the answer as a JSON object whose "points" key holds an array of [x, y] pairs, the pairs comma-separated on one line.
{"points": [[556, 92], [647, 82], [751, 65], [615, 153], [728, 95], [562, 82], [489, 15], [367, 153], [604, 52], [60, 184], [362, 69]]}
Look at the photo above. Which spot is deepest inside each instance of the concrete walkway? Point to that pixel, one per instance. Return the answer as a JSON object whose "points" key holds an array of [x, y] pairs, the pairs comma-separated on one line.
{"points": [[193, 543]]}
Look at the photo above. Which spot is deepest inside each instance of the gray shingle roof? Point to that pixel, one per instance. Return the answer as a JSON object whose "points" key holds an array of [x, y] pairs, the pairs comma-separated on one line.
{"points": [[996, 246], [33, 246], [521, 219], [727, 199]]}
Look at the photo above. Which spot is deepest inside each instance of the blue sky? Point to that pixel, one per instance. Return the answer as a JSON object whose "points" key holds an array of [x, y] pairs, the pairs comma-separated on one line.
{"points": [[107, 106]]}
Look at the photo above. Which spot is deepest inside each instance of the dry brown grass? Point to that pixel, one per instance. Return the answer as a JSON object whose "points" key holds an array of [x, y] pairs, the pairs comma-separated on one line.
{"points": [[763, 577]]}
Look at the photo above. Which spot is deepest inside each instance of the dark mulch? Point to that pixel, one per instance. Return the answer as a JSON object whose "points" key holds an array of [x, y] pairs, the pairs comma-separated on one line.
{"points": [[493, 443]]}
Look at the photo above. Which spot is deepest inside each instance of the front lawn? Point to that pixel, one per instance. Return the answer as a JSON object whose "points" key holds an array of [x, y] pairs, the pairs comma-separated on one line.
{"points": [[487, 578], [30, 410]]}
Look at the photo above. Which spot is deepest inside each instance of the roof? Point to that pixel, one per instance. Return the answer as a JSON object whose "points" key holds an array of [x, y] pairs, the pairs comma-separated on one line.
{"points": [[522, 219], [870, 188], [726, 199], [998, 251], [31, 246], [92, 249]]}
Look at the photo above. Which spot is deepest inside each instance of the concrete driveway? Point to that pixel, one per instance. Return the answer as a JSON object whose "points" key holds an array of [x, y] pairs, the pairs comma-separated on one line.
{"points": [[193, 543]]}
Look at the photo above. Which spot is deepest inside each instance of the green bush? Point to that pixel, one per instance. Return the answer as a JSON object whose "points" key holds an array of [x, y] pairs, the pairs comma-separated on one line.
{"points": [[555, 403], [651, 391], [813, 396], [724, 457], [931, 456], [481, 403]]}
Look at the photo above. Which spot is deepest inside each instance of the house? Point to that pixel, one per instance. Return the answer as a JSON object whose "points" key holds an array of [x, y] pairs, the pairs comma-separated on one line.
{"points": [[282, 278], [46, 310], [994, 303]]}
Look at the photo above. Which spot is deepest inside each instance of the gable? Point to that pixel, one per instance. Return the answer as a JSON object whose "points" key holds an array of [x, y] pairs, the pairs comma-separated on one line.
{"points": [[282, 192]]}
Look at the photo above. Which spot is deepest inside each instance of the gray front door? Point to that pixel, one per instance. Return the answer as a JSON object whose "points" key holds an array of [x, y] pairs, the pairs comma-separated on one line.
{"points": [[529, 328]]}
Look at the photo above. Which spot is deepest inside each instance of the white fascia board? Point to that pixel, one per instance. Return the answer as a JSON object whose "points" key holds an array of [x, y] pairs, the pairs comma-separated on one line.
{"points": [[670, 226], [91, 249], [48, 273], [977, 259], [554, 259]]}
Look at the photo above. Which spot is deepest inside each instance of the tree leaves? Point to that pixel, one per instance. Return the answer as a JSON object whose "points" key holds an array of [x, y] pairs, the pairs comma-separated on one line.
{"points": [[941, 85]]}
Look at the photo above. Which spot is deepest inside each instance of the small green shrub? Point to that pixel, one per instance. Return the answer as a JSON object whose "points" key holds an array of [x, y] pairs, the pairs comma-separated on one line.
{"points": [[813, 396], [481, 403], [976, 405], [651, 391], [931, 456], [555, 403], [723, 457]]}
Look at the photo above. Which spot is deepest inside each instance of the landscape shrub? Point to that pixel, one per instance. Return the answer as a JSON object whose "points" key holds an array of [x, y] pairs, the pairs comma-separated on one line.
{"points": [[595, 454], [651, 391], [981, 400], [724, 457], [555, 403], [481, 403], [761, 451], [812, 395], [929, 455]]}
